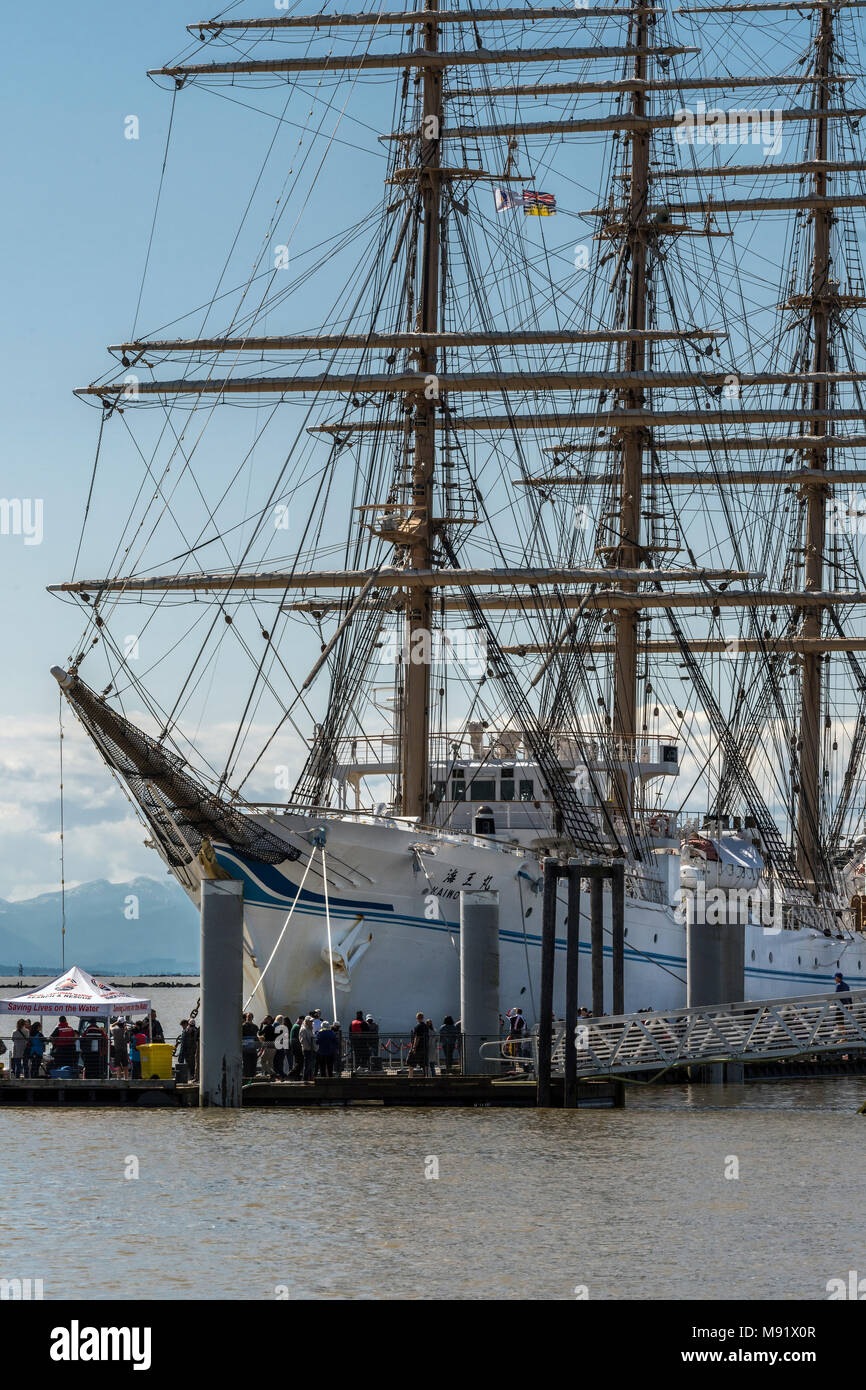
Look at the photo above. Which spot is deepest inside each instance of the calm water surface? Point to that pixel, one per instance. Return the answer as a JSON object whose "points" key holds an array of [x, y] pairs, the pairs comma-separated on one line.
{"points": [[334, 1203]]}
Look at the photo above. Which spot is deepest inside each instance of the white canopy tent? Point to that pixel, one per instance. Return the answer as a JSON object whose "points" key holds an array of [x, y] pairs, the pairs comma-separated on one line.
{"points": [[78, 994]]}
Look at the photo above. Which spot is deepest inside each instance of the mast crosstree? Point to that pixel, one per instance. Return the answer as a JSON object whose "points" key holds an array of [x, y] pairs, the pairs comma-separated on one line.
{"points": [[635, 354]]}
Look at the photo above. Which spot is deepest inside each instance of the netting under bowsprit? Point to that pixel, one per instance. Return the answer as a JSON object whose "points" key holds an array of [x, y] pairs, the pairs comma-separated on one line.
{"points": [[180, 811]]}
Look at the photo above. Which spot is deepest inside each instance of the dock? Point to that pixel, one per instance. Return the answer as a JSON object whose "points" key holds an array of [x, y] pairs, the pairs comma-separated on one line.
{"points": [[381, 1091]]}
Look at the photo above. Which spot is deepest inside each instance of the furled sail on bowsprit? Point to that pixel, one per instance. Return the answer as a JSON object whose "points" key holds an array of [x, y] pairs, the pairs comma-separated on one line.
{"points": [[183, 814]]}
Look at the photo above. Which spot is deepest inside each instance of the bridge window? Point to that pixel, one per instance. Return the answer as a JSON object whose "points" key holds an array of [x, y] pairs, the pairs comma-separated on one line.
{"points": [[458, 790], [506, 784], [483, 790], [527, 789]]}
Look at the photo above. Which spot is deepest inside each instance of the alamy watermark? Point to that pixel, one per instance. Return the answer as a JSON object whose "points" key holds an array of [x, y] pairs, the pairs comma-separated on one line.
{"points": [[77, 1343], [727, 906], [852, 1288], [847, 516], [736, 127], [21, 1290], [22, 516], [459, 646]]}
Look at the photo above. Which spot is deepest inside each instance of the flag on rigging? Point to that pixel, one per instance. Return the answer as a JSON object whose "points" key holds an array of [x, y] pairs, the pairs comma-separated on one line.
{"points": [[503, 199], [537, 204]]}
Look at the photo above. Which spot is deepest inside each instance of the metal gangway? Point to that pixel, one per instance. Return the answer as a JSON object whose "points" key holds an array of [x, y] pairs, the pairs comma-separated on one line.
{"points": [[755, 1030]]}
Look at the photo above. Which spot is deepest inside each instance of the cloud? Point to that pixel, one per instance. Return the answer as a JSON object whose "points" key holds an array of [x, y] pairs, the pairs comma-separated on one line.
{"points": [[103, 837]]}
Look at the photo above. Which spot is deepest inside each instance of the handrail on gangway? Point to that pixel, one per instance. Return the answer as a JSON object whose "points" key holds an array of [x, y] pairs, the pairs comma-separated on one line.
{"points": [[757, 1029]]}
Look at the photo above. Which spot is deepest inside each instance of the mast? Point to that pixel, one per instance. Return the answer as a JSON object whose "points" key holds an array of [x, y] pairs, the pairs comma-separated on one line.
{"points": [[415, 717], [416, 584], [809, 746], [628, 552]]}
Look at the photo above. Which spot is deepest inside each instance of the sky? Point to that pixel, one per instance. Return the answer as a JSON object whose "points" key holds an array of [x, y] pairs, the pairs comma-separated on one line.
{"points": [[78, 198], [77, 214], [74, 236]]}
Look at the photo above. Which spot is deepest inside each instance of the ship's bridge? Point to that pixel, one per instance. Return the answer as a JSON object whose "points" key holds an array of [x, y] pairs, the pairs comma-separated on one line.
{"points": [[487, 782]]}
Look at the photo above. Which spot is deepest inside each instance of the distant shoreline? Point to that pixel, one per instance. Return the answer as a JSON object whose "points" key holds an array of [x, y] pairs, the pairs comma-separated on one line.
{"points": [[177, 981]]}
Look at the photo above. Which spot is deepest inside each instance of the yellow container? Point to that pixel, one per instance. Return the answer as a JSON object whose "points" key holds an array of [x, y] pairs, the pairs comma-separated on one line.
{"points": [[156, 1061]]}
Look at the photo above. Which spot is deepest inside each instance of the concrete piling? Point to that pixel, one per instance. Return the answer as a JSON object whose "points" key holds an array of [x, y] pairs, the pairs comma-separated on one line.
{"points": [[617, 908], [710, 973], [596, 929], [572, 955], [545, 1003], [479, 978], [222, 942]]}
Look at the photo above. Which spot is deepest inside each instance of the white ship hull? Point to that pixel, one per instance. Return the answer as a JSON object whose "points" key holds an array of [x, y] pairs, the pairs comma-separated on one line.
{"points": [[393, 904]]}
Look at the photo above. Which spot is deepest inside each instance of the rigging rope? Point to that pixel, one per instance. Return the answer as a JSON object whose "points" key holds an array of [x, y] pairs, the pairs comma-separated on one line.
{"points": [[62, 847], [328, 928], [283, 931], [174, 93]]}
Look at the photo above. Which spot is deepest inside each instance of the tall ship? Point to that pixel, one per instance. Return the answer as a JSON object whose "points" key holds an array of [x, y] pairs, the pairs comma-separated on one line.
{"points": [[501, 499]]}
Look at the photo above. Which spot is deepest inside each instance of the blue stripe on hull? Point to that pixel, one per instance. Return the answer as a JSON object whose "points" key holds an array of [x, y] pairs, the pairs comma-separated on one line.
{"points": [[261, 890], [269, 880]]}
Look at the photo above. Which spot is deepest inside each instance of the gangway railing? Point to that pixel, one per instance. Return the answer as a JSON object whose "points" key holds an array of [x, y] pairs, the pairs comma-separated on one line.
{"points": [[802, 1025]]}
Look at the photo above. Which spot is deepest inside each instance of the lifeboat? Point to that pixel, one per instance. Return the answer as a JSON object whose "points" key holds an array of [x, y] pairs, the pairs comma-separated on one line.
{"points": [[726, 861]]}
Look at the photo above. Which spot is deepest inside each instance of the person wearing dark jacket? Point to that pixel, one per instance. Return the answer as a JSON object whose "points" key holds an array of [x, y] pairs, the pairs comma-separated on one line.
{"points": [[296, 1050], [156, 1033], [420, 1047], [189, 1046], [119, 1048], [268, 1038], [371, 1028], [449, 1035], [36, 1050], [93, 1043], [842, 989], [281, 1047], [249, 1047], [327, 1046]]}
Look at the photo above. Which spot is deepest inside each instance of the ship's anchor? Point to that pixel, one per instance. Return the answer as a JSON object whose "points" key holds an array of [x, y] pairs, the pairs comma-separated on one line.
{"points": [[344, 954]]}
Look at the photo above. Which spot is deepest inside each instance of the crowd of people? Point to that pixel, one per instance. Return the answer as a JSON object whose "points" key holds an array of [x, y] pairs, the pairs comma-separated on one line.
{"points": [[282, 1049], [83, 1051], [277, 1048], [308, 1046]]}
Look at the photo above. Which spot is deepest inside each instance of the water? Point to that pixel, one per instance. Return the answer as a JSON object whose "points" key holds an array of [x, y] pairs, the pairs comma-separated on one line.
{"points": [[334, 1203]]}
